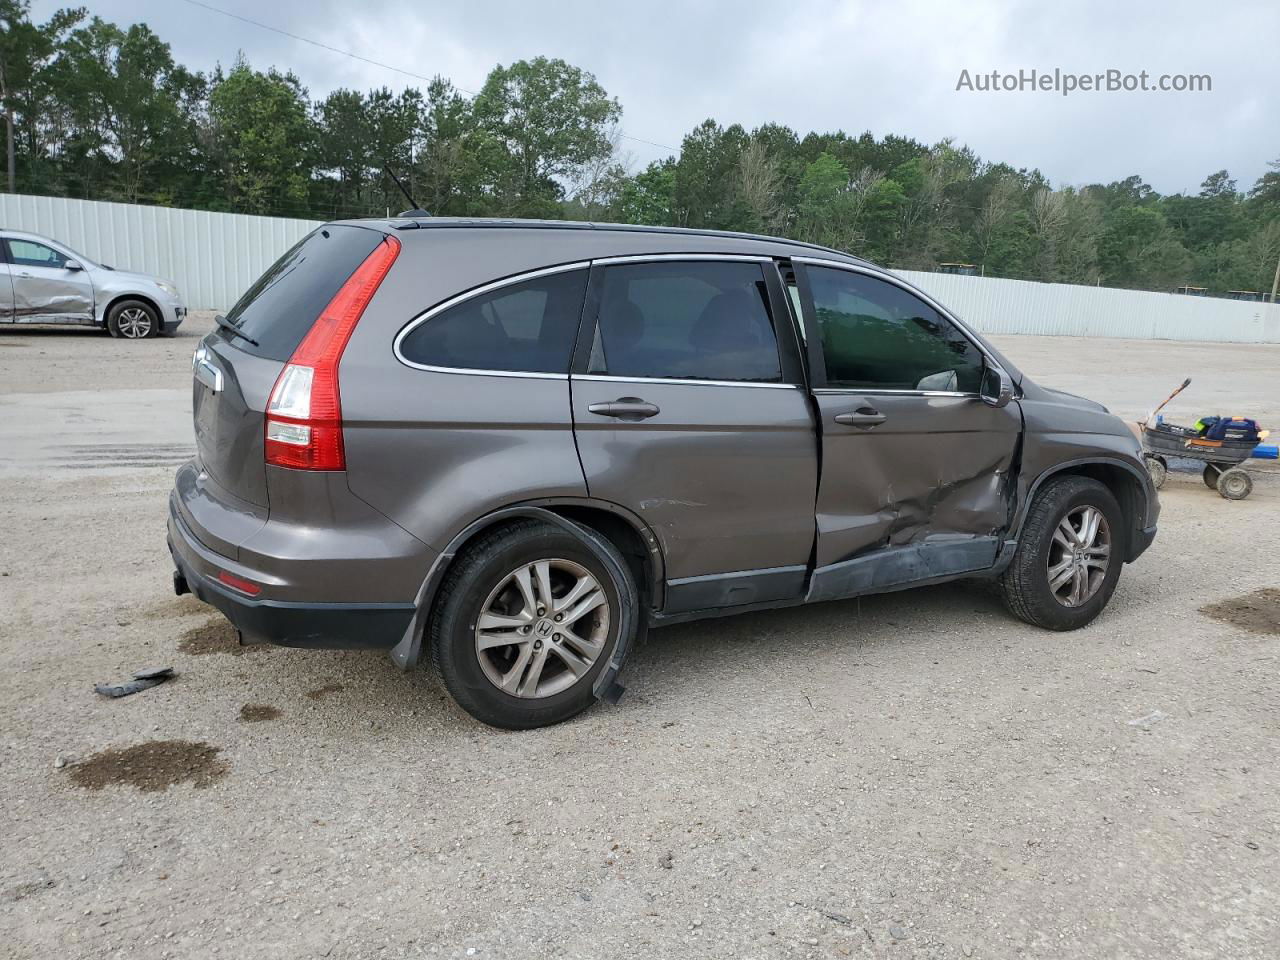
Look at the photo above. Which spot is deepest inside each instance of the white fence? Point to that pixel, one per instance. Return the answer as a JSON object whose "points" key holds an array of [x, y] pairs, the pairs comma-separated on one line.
{"points": [[1057, 309], [213, 257]]}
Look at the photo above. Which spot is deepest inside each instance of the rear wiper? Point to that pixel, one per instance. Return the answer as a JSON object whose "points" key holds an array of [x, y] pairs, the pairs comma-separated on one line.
{"points": [[232, 329]]}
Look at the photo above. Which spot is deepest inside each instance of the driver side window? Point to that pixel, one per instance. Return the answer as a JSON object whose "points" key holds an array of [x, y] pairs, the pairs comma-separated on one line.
{"points": [[878, 336], [29, 254]]}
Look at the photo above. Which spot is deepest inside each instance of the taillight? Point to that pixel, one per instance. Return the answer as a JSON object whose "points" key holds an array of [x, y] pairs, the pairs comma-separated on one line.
{"points": [[304, 414]]}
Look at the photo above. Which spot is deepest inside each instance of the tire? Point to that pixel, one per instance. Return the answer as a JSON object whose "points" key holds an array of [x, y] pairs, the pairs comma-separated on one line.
{"points": [[1026, 582], [485, 580], [1158, 468], [133, 320], [1235, 484], [1211, 474]]}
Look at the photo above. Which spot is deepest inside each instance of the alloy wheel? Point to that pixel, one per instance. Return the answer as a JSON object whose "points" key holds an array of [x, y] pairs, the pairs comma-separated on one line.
{"points": [[542, 628], [134, 323], [1079, 555]]}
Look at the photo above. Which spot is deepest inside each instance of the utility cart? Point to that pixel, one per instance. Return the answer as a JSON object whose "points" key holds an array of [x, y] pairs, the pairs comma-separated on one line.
{"points": [[1221, 457]]}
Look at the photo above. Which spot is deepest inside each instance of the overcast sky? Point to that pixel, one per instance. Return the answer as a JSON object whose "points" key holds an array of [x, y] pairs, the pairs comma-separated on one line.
{"points": [[884, 67]]}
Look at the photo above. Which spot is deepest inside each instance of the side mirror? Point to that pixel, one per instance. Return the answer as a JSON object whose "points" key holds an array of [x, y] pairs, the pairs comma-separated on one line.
{"points": [[73, 265], [997, 387]]}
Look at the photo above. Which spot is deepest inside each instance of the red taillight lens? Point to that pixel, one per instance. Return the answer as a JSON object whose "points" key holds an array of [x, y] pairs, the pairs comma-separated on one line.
{"points": [[304, 414]]}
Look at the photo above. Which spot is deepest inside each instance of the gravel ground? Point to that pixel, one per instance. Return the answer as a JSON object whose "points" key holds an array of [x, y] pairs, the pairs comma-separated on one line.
{"points": [[913, 775]]}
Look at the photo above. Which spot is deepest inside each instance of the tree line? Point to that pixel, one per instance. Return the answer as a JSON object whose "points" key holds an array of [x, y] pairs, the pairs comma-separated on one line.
{"points": [[100, 111]]}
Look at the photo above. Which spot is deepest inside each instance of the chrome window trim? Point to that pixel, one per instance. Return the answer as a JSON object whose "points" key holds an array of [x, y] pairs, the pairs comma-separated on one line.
{"points": [[471, 294], [676, 257], [461, 298], [878, 274], [881, 391], [604, 378]]}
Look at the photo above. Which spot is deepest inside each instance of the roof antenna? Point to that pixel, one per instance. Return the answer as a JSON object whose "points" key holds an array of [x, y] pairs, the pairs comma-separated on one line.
{"points": [[415, 210]]}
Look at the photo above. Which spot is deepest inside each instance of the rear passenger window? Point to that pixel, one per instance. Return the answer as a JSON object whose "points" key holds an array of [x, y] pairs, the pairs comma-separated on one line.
{"points": [[526, 327], [695, 320]]}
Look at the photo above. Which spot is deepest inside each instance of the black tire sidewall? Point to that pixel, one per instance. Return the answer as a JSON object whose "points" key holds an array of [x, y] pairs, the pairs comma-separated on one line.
{"points": [[454, 628], [1068, 495], [1237, 475], [113, 319]]}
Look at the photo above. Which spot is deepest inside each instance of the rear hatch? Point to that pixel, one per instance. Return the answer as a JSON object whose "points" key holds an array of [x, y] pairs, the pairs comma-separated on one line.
{"points": [[235, 370]]}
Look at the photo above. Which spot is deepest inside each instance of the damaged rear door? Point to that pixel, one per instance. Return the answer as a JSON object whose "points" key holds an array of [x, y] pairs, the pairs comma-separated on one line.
{"points": [[915, 479]]}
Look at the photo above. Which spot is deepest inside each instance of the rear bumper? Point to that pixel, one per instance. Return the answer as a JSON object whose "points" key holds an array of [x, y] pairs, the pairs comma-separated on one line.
{"points": [[334, 626]]}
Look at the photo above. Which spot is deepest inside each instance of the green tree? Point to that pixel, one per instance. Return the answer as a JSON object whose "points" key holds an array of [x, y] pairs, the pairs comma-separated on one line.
{"points": [[31, 95], [264, 139], [649, 197], [1139, 248], [126, 101], [553, 119], [706, 193]]}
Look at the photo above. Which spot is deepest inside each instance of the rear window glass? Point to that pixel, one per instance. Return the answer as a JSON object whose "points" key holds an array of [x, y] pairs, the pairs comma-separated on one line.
{"points": [[279, 309], [527, 327]]}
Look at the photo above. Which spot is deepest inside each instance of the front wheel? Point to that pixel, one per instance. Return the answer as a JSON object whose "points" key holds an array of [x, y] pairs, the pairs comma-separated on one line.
{"points": [[1158, 468], [133, 320], [1068, 557], [527, 620]]}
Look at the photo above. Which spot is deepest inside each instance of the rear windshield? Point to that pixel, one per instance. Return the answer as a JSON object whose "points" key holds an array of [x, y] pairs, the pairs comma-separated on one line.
{"points": [[279, 309]]}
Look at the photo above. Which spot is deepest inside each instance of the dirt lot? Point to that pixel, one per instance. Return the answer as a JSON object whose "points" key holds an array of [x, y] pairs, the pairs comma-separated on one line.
{"points": [[915, 775]]}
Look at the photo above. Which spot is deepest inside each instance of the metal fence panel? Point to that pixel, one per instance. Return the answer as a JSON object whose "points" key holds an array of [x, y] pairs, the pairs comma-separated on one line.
{"points": [[994, 305], [213, 257]]}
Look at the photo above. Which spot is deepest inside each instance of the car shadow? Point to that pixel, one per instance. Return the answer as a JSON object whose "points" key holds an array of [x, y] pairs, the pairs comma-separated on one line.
{"points": [[50, 330], [672, 665]]}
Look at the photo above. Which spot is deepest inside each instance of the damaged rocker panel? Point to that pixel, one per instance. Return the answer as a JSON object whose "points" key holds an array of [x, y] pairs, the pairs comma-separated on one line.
{"points": [[910, 565]]}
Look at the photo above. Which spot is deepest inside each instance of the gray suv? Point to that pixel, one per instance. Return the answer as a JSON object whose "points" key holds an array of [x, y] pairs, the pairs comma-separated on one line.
{"points": [[516, 446]]}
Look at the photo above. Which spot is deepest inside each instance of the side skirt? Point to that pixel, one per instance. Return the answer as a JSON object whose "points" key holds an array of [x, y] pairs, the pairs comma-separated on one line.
{"points": [[911, 565], [741, 588]]}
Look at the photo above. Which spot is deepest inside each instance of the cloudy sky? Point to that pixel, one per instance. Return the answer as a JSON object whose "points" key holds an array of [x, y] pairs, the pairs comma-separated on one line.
{"points": [[878, 66]]}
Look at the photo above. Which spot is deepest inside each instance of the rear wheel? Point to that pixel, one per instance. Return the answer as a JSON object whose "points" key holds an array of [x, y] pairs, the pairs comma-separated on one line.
{"points": [[1068, 557], [1235, 484], [133, 320], [527, 620], [1211, 474]]}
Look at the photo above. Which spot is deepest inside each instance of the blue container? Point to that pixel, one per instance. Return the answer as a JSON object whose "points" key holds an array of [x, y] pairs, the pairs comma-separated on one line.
{"points": [[1266, 451]]}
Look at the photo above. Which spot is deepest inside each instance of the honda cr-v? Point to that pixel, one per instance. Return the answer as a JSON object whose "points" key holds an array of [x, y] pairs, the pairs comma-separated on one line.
{"points": [[515, 446]]}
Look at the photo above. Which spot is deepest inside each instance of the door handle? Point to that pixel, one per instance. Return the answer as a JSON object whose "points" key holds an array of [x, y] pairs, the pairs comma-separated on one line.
{"points": [[625, 408], [862, 417]]}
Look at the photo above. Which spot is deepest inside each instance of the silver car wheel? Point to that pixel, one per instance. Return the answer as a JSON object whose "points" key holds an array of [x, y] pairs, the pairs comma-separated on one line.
{"points": [[1079, 555], [134, 323], [542, 628]]}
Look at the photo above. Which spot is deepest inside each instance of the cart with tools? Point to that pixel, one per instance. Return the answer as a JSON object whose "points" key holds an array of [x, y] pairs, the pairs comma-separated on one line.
{"points": [[1221, 458]]}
